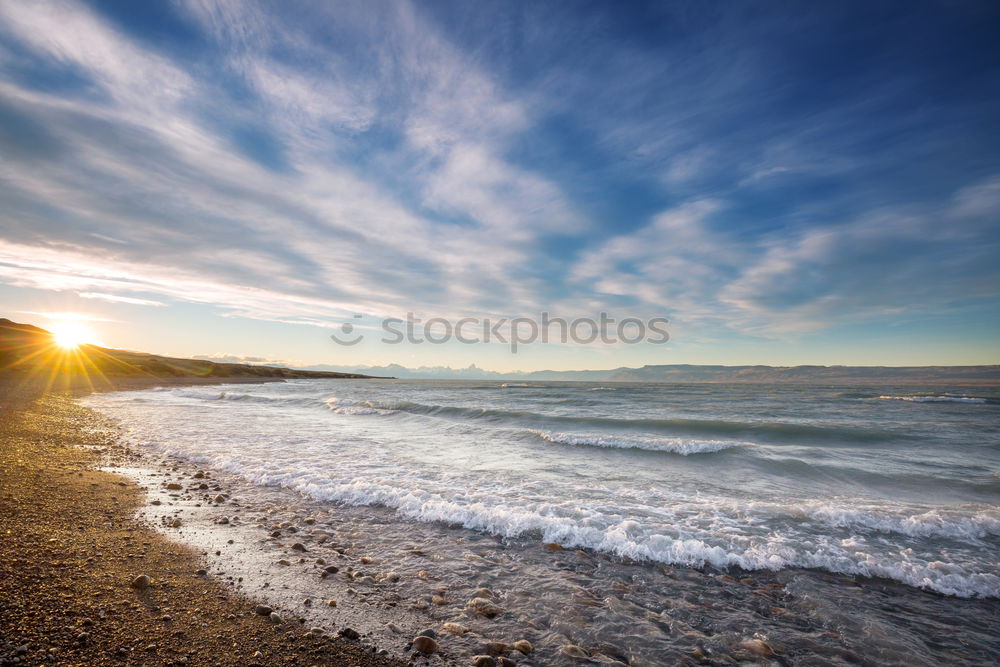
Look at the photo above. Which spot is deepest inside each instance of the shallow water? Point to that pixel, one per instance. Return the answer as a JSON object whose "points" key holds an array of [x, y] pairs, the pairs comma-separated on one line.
{"points": [[654, 492]]}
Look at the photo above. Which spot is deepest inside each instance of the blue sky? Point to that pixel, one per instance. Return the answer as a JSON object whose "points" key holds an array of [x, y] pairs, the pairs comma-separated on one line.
{"points": [[786, 182]]}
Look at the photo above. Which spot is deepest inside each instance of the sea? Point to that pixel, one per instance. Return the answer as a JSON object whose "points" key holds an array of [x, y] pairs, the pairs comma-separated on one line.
{"points": [[644, 524]]}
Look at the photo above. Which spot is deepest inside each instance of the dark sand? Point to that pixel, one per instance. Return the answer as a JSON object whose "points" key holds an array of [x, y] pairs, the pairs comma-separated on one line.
{"points": [[70, 547]]}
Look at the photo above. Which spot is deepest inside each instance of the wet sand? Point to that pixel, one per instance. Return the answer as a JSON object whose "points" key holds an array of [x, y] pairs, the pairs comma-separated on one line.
{"points": [[73, 554]]}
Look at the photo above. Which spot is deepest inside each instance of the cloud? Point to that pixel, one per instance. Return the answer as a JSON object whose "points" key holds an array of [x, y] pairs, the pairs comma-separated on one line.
{"points": [[302, 166], [115, 298]]}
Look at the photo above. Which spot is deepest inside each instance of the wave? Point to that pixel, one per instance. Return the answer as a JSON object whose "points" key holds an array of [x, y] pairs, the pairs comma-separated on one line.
{"points": [[673, 445], [629, 538], [603, 389], [772, 430], [947, 398], [516, 385]]}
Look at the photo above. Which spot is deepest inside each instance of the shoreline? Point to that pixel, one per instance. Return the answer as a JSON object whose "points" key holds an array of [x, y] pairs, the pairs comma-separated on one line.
{"points": [[74, 552]]}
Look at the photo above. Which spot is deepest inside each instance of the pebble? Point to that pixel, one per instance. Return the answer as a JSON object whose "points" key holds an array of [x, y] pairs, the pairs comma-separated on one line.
{"points": [[484, 593], [298, 546], [757, 647], [331, 569], [331, 603], [141, 582], [219, 498], [438, 600], [573, 651], [394, 628], [495, 648], [224, 520], [176, 523], [425, 644], [349, 633], [284, 562], [523, 646], [483, 607], [174, 486], [201, 573], [428, 633], [483, 661], [275, 618], [263, 610], [455, 628]]}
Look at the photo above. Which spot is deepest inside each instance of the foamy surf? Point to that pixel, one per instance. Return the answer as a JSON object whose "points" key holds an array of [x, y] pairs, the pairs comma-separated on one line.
{"points": [[934, 399], [681, 446], [756, 482]]}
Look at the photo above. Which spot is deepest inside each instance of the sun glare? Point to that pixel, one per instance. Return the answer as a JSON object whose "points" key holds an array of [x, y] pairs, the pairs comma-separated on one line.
{"points": [[70, 335]]}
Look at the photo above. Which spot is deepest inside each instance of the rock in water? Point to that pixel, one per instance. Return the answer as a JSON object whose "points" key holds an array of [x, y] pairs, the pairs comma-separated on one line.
{"points": [[174, 486], [483, 607], [573, 651], [298, 546], [141, 582], [483, 661], [523, 646], [757, 647], [424, 644], [429, 633], [455, 628]]}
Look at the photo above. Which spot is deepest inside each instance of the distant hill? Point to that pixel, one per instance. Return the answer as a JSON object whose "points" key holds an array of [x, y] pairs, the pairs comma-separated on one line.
{"points": [[835, 375], [30, 349]]}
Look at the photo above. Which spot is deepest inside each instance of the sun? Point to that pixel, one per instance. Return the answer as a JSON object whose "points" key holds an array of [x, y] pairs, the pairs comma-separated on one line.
{"points": [[71, 335]]}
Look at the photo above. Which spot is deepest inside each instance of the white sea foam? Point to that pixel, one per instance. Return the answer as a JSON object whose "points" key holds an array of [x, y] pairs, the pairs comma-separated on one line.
{"points": [[934, 399], [684, 446], [441, 471]]}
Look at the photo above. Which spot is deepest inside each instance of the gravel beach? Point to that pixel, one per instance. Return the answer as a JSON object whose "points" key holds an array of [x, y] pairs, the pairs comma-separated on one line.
{"points": [[83, 582]]}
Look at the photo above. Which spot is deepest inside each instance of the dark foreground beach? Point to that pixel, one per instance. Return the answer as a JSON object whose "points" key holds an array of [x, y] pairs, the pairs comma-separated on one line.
{"points": [[73, 560]]}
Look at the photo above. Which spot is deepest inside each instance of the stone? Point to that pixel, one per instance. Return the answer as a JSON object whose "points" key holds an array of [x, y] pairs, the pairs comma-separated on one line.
{"points": [[573, 651], [348, 633], [394, 628], [428, 633], [484, 593], [757, 647], [425, 644], [483, 607], [483, 661], [523, 646], [174, 486], [552, 546], [275, 618], [298, 546], [496, 648], [141, 583], [331, 569], [201, 573], [263, 610], [331, 603]]}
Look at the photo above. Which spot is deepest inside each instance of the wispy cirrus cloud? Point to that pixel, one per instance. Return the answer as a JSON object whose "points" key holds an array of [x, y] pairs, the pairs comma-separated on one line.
{"points": [[301, 164]]}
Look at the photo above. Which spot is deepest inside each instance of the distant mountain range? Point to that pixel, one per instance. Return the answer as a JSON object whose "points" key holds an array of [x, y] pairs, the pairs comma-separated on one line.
{"points": [[973, 375]]}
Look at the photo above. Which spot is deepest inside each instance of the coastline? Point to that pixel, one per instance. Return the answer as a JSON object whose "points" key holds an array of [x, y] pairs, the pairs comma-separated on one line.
{"points": [[72, 547]]}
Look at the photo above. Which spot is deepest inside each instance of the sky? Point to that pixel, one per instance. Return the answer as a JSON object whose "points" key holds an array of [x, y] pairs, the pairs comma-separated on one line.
{"points": [[786, 183]]}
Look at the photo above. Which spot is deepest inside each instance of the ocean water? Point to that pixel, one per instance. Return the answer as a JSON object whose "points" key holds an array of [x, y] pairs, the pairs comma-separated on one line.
{"points": [[812, 491]]}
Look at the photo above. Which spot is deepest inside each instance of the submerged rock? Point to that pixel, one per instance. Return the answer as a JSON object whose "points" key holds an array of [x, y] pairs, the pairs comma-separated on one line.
{"points": [[573, 651], [523, 646], [483, 607]]}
